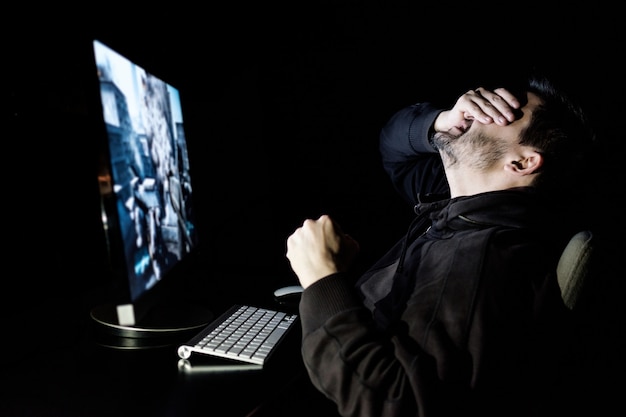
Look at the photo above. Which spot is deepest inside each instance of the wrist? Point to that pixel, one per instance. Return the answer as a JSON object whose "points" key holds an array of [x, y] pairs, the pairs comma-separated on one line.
{"points": [[438, 123]]}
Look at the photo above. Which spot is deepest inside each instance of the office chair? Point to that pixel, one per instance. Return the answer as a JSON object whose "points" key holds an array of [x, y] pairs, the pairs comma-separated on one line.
{"points": [[573, 267]]}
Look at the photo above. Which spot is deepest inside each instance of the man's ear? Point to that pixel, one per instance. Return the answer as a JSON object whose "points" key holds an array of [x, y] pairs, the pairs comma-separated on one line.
{"points": [[527, 164]]}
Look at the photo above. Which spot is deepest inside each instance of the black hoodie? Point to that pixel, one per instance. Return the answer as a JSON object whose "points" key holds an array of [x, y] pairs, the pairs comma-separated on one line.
{"points": [[461, 317]]}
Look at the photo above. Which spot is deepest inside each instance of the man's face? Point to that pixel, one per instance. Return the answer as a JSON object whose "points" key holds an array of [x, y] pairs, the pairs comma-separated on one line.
{"points": [[484, 146], [473, 149]]}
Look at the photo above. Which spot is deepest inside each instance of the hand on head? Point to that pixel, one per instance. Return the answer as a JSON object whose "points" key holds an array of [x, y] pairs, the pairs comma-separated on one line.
{"points": [[481, 105], [320, 248]]}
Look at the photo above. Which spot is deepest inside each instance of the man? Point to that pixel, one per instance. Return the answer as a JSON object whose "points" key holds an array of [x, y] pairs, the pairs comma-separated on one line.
{"points": [[464, 315]]}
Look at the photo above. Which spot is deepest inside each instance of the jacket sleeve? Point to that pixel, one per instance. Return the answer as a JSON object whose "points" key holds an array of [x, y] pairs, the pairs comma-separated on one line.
{"points": [[510, 348], [413, 165], [352, 362]]}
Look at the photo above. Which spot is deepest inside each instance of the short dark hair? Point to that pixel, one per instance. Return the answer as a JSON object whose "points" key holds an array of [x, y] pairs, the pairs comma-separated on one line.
{"points": [[560, 130]]}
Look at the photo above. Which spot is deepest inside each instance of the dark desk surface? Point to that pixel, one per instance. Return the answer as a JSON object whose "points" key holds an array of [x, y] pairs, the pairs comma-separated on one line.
{"points": [[68, 372], [85, 378]]}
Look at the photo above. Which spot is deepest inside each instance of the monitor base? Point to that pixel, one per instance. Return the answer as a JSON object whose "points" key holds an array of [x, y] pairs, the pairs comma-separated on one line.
{"points": [[164, 325]]}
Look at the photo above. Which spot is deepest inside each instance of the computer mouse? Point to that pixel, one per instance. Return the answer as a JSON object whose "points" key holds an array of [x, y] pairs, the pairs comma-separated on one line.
{"points": [[288, 294]]}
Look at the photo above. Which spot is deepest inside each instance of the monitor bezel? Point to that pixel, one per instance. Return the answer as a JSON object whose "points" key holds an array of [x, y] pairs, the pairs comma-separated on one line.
{"points": [[155, 311]]}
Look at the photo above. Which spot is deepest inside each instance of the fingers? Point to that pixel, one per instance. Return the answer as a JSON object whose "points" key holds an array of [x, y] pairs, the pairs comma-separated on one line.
{"points": [[314, 237], [318, 249], [492, 106], [323, 237], [484, 106]]}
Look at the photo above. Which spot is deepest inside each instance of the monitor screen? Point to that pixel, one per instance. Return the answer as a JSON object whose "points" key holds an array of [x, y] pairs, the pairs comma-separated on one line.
{"points": [[144, 177]]}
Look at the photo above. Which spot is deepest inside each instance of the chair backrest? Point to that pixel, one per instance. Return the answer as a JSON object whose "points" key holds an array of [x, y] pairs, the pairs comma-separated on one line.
{"points": [[573, 267]]}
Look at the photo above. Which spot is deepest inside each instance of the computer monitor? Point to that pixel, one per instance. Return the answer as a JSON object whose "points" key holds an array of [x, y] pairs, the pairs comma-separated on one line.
{"points": [[146, 199]]}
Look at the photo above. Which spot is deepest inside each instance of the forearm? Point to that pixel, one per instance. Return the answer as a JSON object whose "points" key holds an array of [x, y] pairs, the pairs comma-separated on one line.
{"points": [[346, 357], [406, 133], [413, 165]]}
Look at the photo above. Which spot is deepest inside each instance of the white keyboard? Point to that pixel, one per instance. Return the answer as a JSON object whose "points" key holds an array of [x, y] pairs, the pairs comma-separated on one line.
{"points": [[243, 333]]}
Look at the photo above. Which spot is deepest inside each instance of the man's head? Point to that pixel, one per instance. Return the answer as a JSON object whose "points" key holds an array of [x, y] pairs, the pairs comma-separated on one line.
{"points": [[560, 131], [542, 147]]}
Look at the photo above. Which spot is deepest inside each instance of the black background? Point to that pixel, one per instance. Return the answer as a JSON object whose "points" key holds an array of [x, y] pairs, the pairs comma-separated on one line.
{"points": [[283, 105]]}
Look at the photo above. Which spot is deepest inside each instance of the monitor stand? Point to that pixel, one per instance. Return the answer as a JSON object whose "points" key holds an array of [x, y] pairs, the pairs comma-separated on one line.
{"points": [[163, 325]]}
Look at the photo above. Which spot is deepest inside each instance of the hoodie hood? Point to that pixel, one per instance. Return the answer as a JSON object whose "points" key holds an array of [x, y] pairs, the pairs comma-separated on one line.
{"points": [[514, 208], [386, 287]]}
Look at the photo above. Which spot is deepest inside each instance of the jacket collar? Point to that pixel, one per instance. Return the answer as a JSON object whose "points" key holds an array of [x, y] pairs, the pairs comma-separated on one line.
{"points": [[516, 207]]}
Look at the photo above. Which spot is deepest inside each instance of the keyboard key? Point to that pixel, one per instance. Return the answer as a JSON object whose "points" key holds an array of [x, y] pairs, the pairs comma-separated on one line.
{"points": [[244, 333]]}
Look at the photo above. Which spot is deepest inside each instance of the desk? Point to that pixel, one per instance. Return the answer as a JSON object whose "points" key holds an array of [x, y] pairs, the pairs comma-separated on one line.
{"points": [[83, 378]]}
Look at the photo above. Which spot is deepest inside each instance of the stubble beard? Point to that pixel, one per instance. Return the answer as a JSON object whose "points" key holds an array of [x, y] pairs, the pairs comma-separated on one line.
{"points": [[476, 150]]}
